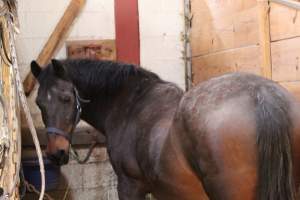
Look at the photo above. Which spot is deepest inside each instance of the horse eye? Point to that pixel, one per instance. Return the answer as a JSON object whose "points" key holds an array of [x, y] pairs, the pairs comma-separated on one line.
{"points": [[66, 99]]}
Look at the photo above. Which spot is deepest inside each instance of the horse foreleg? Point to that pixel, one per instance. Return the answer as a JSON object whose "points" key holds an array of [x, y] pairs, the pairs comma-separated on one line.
{"points": [[131, 189]]}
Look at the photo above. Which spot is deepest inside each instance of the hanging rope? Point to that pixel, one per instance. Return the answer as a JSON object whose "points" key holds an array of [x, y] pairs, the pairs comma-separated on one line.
{"points": [[26, 108], [8, 11]]}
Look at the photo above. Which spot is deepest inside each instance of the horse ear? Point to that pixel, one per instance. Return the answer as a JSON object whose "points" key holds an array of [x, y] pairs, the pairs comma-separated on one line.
{"points": [[59, 68], [35, 68]]}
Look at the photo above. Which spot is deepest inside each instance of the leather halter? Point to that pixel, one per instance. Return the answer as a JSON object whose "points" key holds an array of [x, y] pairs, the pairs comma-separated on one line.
{"points": [[60, 132]]}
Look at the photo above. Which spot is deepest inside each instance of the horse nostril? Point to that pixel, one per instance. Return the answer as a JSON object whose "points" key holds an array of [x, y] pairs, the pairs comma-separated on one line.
{"points": [[61, 152], [59, 158]]}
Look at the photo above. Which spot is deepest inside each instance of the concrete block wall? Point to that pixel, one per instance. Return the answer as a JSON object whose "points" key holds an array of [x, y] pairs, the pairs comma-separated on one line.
{"points": [[161, 29], [39, 18]]}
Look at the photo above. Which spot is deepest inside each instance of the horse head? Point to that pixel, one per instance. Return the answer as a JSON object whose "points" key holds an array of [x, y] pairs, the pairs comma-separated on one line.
{"points": [[59, 103]]}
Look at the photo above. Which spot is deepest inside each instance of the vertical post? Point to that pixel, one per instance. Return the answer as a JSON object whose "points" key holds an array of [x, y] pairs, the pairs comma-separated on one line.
{"points": [[11, 102], [265, 38], [127, 31]]}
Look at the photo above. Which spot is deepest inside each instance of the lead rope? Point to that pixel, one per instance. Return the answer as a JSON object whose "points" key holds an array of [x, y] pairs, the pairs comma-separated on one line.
{"points": [[31, 188], [74, 154]]}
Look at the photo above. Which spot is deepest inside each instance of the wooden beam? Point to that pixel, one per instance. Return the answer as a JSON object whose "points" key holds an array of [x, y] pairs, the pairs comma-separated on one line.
{"points": [[55, 40], [264, 37]]}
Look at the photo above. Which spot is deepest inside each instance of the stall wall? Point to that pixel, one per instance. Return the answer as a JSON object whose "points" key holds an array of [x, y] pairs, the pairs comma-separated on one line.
{"points": [[285, 46], [225, 38]]}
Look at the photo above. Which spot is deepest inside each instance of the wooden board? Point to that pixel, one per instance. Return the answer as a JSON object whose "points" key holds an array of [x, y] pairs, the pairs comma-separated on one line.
{"points": [[225, 38], [244, 59], [92, 49], [285, 60], [284, 22], [220, 25]]}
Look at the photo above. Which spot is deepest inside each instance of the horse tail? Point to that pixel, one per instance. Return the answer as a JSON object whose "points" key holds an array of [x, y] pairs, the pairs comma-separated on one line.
{"points": [[275, 164]]}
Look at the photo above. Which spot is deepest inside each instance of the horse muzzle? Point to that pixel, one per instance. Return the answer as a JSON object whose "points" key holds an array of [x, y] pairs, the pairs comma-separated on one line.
{"points": [[59, 158]]}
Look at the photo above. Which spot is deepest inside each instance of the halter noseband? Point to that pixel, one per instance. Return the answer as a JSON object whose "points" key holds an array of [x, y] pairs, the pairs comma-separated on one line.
{"points": [[59, 132]]}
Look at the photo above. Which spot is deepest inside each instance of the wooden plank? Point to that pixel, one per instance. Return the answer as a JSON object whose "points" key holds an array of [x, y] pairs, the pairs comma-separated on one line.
{"points": [[92, 49], [264, 38], [285, 60], [284, 21], [245, 59], [55, 40], [127, 31], [219, 9], [220, 25], [293, 87]]}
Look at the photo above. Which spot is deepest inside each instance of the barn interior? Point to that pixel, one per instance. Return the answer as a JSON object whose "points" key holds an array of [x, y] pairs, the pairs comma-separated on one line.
{"points": [[183, 41]]}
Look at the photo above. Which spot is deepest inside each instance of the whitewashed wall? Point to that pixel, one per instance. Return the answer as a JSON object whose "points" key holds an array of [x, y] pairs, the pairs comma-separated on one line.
{"points": [[39, 17], [161, 28]]}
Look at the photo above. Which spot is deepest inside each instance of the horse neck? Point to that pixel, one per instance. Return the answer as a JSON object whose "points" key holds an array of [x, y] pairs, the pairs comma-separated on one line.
{"points": [[104, 109]]}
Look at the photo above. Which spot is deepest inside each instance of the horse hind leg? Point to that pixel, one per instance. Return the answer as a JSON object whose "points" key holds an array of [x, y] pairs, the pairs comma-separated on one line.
{"points": [[231, 177], [225, 159]]}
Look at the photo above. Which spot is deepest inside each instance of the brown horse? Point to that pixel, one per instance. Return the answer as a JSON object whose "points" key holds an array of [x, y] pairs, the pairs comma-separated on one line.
{"points": [[234, 137]]}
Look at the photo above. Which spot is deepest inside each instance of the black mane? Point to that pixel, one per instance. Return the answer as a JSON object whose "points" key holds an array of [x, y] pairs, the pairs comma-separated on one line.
{"points": [[102, 76]]}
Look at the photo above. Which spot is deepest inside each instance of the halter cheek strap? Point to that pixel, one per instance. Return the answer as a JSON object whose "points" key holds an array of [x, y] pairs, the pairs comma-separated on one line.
{"points": [[59, 132]]}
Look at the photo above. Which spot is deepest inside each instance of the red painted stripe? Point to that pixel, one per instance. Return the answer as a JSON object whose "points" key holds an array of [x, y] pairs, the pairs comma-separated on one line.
{"points": [[127, 31]]}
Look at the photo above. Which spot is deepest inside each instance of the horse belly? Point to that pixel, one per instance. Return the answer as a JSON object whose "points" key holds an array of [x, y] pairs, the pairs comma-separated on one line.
{"points": [[180, 188], [176, 180], [183, 196]]}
